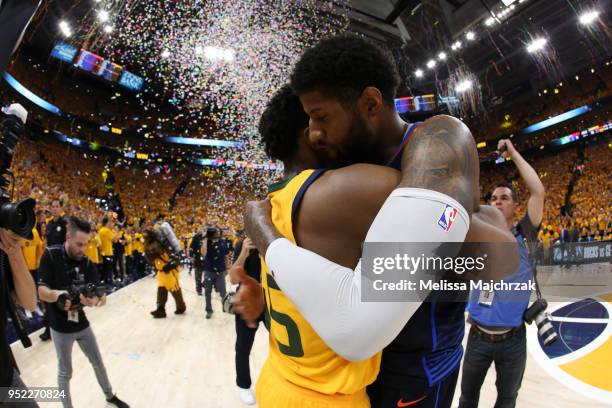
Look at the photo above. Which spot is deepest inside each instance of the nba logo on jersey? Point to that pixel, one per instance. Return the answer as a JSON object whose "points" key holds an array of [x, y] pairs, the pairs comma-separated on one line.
{"points": [[447, 218]]}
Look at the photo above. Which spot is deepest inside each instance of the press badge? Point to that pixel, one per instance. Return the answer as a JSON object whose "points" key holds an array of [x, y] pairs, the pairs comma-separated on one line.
{"points": [[486, 298], [73, 316]]}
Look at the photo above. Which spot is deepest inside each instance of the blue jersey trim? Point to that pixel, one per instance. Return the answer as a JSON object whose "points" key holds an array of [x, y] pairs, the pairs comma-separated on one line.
{"points": [[298, 198]]}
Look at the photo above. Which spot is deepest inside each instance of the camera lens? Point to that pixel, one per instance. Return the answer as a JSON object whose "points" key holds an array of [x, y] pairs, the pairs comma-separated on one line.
{"points": [[19, 217], [546, 330]]}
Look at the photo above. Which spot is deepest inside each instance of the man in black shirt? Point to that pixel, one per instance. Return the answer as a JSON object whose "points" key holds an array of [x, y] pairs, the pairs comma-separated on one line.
{"points": [[55, 233], [195, 249], [60, 268], [246, 260], [16, 280], [56, 228]]}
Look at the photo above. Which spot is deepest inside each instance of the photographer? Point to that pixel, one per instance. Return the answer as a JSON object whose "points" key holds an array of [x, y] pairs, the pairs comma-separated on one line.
{"points": [[498, 330], [246, 261], [62, 268], [215, 266], [17, 282]]}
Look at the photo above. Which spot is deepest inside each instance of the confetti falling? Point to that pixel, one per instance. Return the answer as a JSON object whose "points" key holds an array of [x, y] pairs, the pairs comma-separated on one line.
{"points": [[217, 61]]}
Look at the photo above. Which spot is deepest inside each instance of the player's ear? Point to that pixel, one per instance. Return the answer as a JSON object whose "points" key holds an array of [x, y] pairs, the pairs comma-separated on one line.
{"points": [[371, 101]]}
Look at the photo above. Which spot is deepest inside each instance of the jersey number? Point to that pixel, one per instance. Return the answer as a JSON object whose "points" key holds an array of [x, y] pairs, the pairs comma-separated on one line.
{"points": [[294, 349]]}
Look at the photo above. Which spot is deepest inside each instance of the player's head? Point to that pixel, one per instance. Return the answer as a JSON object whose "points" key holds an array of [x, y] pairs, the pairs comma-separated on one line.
{"points": [[282, 128], [347, 86], [77, 237], [504, 199]]}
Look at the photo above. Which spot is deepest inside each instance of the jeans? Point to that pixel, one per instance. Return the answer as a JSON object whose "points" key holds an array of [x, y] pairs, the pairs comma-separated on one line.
{"points": [[216, 279], [509, 356], [245, 336], [87, 342]]}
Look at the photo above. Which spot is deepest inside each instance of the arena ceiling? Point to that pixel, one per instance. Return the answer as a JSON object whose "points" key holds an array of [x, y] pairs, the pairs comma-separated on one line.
{"points": [[418, 31]]}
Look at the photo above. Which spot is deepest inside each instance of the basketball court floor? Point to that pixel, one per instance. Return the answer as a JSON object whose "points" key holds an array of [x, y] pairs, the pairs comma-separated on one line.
{"points": [[188, 361]]}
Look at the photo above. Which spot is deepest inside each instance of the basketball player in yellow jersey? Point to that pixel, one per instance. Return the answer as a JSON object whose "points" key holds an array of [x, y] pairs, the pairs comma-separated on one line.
{"points": [[301, 370]]}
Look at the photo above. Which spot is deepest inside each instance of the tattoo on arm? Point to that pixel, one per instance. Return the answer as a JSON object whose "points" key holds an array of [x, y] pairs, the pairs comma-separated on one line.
{"points": [[442, 156]]}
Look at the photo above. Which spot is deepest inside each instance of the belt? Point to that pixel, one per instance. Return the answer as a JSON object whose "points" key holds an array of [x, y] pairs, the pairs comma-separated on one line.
{"points": [[494, 338]]}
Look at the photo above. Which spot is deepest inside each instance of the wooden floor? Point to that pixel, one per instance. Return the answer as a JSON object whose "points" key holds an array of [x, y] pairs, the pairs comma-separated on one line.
{"points": [[188, 361]]}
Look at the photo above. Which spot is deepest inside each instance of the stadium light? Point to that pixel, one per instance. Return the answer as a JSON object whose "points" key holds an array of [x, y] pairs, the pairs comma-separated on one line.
{"points": [[418, 73], [442, 56], [199, 50], [108, 29], [165, 54], [588, 17], [489, 21], [456, 45], [463, 86], [65, 28], [470, 35], [536, 45], [431, 64], [103, 16]]}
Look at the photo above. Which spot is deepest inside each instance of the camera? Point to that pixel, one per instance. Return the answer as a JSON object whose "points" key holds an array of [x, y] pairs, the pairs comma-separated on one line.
{"points": [[546, 331], [228, 306], [76, 289], [17, 217]]}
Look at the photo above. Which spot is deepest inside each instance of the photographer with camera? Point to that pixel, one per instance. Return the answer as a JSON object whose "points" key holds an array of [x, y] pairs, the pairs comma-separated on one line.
{"points": [[215, 266], [18, 283], [68, 283], [246, 263], [497, 318]]}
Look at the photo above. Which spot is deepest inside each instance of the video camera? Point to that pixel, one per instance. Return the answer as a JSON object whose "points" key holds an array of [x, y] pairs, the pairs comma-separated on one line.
{"points": [[17, 217]]}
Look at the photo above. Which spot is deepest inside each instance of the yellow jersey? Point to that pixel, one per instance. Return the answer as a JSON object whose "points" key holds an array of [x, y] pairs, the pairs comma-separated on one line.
{"points": [[138, 243], [129, 248], [32, 250], [296, 352], [92, 249], [106, 241]]}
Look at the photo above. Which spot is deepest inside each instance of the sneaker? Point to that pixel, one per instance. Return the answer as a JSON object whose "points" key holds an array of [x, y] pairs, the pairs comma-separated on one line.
{"points": [[209, 315], [117, 402], [39, 312], [45, 336], [246, 396]]}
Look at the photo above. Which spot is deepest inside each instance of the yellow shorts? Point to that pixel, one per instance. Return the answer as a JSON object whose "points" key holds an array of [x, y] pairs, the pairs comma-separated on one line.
{"points": [[273, 391]]}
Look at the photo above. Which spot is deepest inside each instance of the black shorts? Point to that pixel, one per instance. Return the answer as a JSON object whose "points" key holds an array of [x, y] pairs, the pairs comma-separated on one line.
{"points": [[416, 394]]}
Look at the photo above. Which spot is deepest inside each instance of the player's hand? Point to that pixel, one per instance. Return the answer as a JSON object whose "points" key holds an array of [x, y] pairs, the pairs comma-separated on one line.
{"points": [[248, 301], [10, 242], [505, 148], [258, 224]]}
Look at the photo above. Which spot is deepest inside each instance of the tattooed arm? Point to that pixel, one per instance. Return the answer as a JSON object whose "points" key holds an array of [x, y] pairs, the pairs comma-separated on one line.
{"points": [[442, 156]]}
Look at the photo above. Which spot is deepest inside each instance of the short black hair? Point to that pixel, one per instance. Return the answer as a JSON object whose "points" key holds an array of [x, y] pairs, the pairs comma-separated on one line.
{"points": [[104, 220], [509, 187], [343, 66], [77, 224], [281, 123]]}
